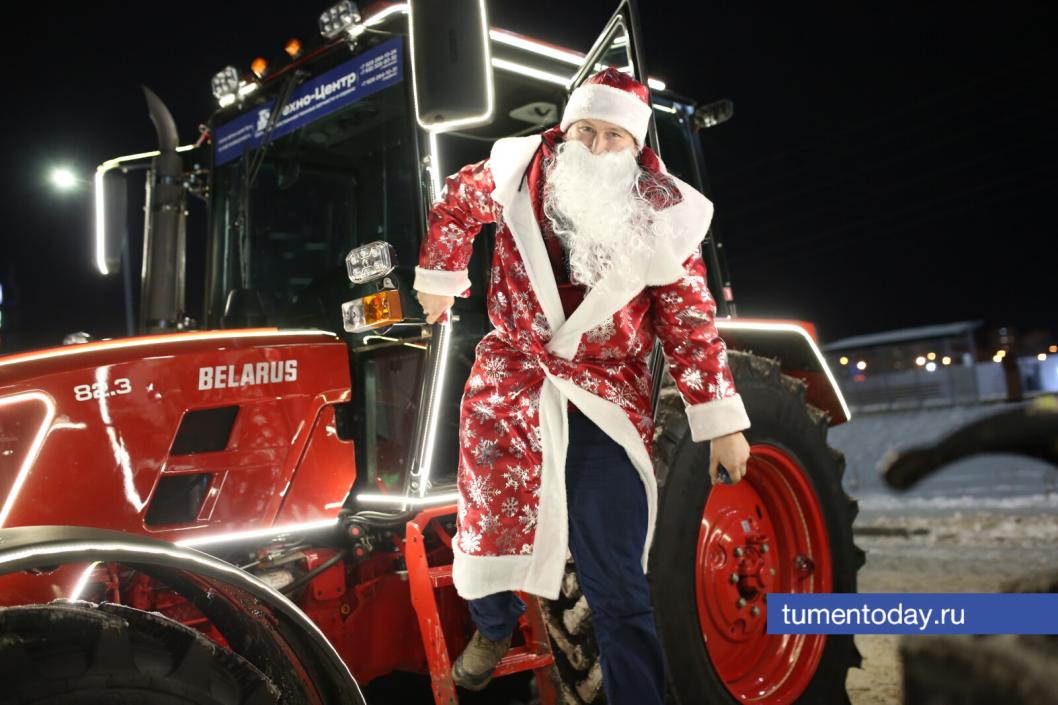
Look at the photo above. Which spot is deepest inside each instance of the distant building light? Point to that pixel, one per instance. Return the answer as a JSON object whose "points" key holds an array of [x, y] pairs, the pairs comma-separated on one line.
{"points": [[946, 360], [1041, 357], [930, 366], [1053, 348], [932, 355], [843, 360], [861, 365], [920, 361], [1001, 353], [997, 358]]}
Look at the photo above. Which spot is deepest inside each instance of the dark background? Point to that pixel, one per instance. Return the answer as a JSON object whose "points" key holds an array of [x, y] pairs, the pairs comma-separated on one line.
{"points": [[888, 165]]}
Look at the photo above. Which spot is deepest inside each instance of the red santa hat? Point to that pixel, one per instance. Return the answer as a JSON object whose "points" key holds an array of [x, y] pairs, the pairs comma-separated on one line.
{"points": [[612, 96]]}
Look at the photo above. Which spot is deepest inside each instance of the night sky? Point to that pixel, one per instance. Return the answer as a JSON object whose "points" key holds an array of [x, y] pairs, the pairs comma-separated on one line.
{"points": [[888, 165]]}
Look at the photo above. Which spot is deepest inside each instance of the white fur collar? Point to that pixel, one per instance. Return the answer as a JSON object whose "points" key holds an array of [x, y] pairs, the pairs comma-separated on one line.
{"points": [[508, 161]]}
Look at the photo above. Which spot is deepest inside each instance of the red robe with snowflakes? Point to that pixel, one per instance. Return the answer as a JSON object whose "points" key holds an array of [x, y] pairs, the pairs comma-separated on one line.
{"points": [[512, 523]]}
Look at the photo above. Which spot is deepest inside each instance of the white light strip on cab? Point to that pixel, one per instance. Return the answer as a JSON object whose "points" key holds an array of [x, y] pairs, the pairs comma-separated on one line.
{"points": [[34, 448], [435, 169], [383, 14], [490, 88], [729, 324], [569, 57], [100, 199], [513, 67], [436, 395], [565, 56]]}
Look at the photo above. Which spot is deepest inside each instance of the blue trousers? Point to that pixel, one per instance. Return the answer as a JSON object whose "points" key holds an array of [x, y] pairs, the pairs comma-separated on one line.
{"points": [[607, 511]]}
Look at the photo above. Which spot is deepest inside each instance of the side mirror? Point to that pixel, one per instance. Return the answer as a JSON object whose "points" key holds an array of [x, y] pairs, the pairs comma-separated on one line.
{"points": [[451, 63], [111, 218], [714, 113]]}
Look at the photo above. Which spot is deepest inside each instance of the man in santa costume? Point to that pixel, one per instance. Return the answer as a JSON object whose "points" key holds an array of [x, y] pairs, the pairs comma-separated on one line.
{"points": [[597, 254]]}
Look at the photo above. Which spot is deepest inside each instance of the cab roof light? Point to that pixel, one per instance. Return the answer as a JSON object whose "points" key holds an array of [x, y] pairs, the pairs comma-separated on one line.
{"points": [[226, 82], [259, 66], [339, 19]]}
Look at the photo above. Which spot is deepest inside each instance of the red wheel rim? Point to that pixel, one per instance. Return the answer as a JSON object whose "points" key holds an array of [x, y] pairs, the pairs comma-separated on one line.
{"points": [[768, 532]]}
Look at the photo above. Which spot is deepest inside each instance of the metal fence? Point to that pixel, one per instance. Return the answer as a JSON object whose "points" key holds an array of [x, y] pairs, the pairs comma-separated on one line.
{"points": [[946, 385]]}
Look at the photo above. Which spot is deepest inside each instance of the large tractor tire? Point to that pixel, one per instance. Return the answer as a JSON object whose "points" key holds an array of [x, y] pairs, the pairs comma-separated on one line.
{"points": [[786, 527], [82, 654]]}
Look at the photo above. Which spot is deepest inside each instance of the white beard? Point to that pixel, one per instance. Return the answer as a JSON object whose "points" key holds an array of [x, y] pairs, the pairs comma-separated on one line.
{"points": [[597, 211]]}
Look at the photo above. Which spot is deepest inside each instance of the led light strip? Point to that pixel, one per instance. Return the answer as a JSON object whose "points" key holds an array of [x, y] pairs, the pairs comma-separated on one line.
{"points": [[100, 200], [383, 14], [231, 536], [513, 67], [502, 36], [728, 324], [158, 340], [408, 501], [34, 448], [518, 41], [422, 474], [490, 89]]}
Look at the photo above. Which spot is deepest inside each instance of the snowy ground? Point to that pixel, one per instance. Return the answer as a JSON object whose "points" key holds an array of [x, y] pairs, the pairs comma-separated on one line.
{"points": [[953, 552], [969, 528]]}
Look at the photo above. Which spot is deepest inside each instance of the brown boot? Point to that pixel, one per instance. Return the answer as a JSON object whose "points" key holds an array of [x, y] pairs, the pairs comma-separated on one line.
{"points": [[473, 669]]}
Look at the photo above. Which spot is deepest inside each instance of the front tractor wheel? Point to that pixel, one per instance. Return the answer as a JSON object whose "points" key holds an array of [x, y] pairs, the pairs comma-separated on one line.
{"points": [[785, 527], [78, 653]]}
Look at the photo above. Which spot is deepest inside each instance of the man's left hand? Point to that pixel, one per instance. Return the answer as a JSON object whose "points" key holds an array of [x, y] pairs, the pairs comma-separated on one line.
{"points": [[731, 451]]}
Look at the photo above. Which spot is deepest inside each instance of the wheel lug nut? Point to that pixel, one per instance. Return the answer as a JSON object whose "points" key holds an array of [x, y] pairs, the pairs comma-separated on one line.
{"points": [[764, 548], [754, 610], [741, 602], [734, 578], [738, 552], [771, 571]]}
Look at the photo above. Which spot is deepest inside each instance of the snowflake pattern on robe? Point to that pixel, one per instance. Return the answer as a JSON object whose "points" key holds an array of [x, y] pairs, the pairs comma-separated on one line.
{"points": [[602, 333], [501, 444]]}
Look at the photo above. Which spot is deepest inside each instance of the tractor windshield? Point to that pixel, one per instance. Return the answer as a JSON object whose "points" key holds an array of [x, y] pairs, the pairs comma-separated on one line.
{"points": [[340, 169], [286, 213]]}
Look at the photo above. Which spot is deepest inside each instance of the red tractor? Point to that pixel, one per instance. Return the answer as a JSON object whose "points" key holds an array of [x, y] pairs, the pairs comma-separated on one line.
{"points": [[257, 506]]}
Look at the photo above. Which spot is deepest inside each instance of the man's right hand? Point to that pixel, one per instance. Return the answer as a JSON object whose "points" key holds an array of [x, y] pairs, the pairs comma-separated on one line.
{"points": [[433, 305]]}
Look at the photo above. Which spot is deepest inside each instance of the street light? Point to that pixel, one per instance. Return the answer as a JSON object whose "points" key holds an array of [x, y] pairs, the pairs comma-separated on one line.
{"points": [[64, 179]]}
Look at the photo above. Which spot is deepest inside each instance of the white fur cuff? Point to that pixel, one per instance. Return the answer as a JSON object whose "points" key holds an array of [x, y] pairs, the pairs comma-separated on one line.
{"points": [[441, 281], [713, 419]]}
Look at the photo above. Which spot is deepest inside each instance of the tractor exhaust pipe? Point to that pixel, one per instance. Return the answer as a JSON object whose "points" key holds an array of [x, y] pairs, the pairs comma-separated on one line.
{"points": [[164, 228]]}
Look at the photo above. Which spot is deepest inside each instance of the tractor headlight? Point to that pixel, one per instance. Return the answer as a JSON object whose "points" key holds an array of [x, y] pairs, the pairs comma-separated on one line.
{"points": [[226, 82], [370, 262], [338, 19]]}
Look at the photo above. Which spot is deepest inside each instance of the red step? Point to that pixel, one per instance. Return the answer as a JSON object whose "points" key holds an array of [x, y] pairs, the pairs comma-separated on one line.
{"points": [[520, 659], [441, 576]]}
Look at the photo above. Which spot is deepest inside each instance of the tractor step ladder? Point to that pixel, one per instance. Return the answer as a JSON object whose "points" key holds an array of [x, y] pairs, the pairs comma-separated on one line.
{"points": [[424, 579]]}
